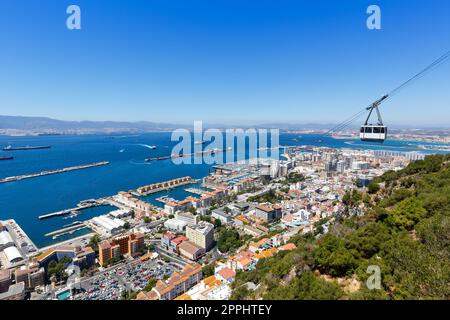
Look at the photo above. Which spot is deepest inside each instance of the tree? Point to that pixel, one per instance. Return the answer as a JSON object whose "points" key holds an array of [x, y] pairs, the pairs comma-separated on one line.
{"points": [[240, 293], [306, 287], [333, 258], [147, 220], [406, 214], [208, 270], [192, 210], [217, 223], [205, 218], [151, 283], [56, 270], [229, 239], [94, 241], [373, 187], [126, 225]]}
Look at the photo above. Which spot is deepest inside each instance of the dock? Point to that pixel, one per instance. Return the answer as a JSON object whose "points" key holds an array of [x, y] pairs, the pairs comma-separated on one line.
{"points": [[66, 230], [49, 172], [197, 191], [198, 153], [82, 205]]}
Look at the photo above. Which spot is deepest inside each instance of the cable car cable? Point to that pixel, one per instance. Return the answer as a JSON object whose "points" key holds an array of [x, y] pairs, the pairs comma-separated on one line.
{"points": [[375, 105]]}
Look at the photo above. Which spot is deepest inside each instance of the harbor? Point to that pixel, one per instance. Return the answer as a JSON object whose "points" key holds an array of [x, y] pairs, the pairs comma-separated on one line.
{"points": [[77, 225], [196, 191], [75, 211], [50, 172], [125, 172]]}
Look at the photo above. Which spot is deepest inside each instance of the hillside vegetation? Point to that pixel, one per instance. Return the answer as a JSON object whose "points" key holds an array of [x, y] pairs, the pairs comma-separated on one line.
{"points": [[405, 231]]}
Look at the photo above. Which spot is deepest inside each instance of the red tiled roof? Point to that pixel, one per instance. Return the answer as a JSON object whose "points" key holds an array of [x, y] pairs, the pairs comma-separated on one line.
{"points": [[227, 273]]}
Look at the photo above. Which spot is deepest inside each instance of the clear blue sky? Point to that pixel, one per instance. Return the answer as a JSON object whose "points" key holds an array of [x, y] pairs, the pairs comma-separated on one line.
{"points": [[222, 61]]}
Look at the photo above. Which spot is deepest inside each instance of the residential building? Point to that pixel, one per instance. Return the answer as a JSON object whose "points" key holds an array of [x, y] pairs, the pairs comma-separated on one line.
{"points": [[226, 275], [176, 285], [32, 275], [130, 244], [175, 225], [15, 292], [202, 234], [268, 212], [187, 217], [190, 250], [221, 215], [5, 280]]}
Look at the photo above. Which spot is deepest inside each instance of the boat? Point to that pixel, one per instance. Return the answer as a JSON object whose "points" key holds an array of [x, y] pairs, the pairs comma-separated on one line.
{"points": [[49, 134], [11, 148], [200, 142], [6, 158]]}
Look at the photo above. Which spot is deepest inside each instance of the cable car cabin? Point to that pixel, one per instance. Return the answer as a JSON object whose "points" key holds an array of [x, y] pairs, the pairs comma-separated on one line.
{"points": [[373, 133]]}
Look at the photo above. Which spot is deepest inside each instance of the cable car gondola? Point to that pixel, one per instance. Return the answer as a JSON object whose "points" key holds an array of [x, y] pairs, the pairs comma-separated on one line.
{"points": [[374, 132], [378, 132]]}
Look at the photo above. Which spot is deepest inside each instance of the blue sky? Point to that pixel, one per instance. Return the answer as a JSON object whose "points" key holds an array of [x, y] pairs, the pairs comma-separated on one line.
{"points": [[223, 61]]}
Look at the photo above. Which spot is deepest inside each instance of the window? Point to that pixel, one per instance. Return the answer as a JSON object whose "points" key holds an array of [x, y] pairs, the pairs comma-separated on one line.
{"points": [[376, 130], [382, 129], [368, 130], [362, 129]]}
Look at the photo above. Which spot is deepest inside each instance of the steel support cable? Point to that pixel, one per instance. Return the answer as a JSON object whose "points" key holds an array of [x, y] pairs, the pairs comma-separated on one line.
{"points": [[417, 76], [420, 74]]}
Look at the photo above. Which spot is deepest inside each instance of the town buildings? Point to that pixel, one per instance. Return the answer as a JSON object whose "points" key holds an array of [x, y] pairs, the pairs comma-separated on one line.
{"points": [[130, 244], [176, 285], [201, 234]]}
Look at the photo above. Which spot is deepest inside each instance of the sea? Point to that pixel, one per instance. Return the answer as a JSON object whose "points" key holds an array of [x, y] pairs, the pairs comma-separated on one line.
{"points": [[27, 199]]}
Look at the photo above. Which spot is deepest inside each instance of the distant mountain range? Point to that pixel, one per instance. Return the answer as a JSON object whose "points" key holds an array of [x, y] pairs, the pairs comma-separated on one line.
{"points": [[43, 123], [49, 125]]}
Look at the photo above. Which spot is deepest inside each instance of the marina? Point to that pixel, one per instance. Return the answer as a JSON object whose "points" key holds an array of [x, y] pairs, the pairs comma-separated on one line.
{"points": [[67, 230], [197, 191], [74, 211], [45, 173]]}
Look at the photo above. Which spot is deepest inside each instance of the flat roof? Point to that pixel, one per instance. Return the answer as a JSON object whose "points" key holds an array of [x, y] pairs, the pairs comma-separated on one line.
{"points": [[12, 254]]}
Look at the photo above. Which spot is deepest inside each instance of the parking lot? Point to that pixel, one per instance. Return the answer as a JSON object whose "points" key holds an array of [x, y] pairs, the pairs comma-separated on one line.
{"points": [[108, 285]]}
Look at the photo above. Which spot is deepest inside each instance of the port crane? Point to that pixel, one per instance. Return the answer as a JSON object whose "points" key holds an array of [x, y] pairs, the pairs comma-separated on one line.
{"points": [[377, 132]]}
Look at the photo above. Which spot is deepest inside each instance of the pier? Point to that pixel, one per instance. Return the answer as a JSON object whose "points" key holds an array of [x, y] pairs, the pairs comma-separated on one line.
{"points": [[66, 230], [82, 205], [45, 173], [198, 153], [197, 191]]}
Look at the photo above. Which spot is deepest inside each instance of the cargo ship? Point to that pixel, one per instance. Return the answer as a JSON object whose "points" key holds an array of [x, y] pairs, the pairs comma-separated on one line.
{"points": [[6, 158], [11, 148]]}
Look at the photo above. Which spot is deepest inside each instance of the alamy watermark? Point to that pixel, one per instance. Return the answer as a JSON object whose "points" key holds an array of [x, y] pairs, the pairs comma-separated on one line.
{"points": [[374, 280], [73, 21], [214, 146], [373, 22]]}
